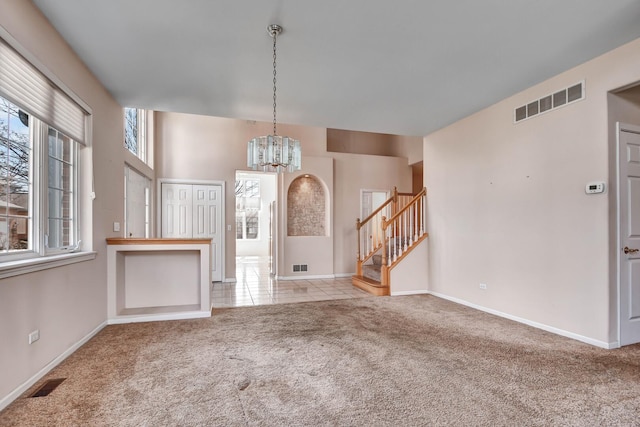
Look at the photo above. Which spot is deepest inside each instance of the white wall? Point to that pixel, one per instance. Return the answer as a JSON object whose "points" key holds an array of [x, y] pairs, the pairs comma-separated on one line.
{"points": [[507, 207], [65, 303]]}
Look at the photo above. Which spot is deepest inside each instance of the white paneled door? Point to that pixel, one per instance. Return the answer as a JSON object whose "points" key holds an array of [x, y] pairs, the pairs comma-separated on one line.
{"points": [[629, 233], [195, 211]]}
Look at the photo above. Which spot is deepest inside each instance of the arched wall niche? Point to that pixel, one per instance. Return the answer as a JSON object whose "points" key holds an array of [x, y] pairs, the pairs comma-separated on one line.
{"points": [[307, 207]]}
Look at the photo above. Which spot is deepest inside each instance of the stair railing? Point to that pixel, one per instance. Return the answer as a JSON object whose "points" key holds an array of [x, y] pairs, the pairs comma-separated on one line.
{"points": [[375, 233], [402, 231], [370, 232]]}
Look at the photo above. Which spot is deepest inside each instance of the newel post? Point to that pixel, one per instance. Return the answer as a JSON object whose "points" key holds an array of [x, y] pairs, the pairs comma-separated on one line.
{"points": [[395, 201]]}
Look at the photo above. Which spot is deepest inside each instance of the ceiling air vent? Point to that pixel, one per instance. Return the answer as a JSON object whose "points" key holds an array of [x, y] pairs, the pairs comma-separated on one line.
{"points": [[550, 102]]}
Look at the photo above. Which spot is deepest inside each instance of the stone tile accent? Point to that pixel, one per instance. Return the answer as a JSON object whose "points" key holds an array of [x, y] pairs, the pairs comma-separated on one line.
{"points": [[306, 210]]}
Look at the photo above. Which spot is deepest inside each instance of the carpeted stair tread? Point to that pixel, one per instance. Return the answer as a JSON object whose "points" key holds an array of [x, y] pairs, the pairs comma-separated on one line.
{"points": [[372, 271]]}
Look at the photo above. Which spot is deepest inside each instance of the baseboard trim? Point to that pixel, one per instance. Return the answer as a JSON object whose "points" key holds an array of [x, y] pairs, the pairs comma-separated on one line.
{"points": [[554, 330], [341, 275], [8, 399], [159, 317], [229, 280], [420, 292], [320, 276]]}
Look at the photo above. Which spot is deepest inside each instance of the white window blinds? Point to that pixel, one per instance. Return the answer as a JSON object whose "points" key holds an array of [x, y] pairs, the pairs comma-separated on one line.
{"points": [[26, 86]]}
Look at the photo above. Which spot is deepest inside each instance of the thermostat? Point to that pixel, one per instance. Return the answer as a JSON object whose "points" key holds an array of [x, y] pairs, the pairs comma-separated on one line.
{"points": [[594, 188]]}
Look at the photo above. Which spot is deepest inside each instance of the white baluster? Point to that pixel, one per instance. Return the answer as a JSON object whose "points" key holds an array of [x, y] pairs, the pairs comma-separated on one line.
{"points": [[422, 215], [409, 212], [404, 234], [416, 208], [389, 233], [398, 233], [392, 240]]}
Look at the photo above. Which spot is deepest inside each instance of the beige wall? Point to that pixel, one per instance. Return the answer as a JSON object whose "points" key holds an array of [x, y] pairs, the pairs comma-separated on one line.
{"points": [[353, 173], [210, 148], [507, 207], [314, 251], [407, 146], [65, 303], [409, 277]]}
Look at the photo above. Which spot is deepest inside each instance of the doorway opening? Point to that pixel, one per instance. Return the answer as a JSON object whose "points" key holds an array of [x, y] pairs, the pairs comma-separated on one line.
{"points": [[256, 219], [624, 123]]}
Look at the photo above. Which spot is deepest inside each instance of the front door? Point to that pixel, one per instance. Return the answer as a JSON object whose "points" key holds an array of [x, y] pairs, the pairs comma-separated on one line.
{"points": [[629, 233]]}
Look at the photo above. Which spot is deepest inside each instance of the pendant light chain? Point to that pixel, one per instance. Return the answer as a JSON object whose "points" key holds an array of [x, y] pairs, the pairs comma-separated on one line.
{"points": [[273, 153], [275, 35]]}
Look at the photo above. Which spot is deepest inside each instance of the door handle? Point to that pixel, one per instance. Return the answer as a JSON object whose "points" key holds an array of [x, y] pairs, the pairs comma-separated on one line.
{"points": [[628, 250]]}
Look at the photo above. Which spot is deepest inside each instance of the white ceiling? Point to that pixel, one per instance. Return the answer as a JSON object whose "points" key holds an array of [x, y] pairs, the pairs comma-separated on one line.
{"points": [[404, 67]]}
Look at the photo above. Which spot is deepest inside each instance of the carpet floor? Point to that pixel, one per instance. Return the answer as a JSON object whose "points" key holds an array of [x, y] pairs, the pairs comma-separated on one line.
{"points": [[387, 361]]}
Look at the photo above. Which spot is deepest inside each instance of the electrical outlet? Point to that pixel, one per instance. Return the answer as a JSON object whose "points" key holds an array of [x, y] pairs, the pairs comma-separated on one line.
{"points": [[483, 286], [116, 226], [34, 336]]}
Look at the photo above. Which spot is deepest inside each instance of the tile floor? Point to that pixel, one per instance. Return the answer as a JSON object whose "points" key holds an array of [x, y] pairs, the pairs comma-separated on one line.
{"points": [[254, 286]]}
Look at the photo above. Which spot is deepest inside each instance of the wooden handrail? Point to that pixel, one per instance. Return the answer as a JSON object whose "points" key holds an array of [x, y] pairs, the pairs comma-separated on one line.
{"points": [[401, 211], [392, 238], [382, 206]]}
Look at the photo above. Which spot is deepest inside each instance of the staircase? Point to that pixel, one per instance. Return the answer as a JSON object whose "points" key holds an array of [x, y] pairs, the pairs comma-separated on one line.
{"points": [[383, 243]]}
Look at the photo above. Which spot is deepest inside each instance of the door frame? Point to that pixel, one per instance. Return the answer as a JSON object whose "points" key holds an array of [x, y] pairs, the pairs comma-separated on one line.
{"points": [[161, 181], [127, 169], [270, 179], [620, 127], [369, 190]]}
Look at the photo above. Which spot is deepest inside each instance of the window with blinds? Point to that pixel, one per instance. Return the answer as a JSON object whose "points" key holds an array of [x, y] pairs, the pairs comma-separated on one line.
{"points": [[42, 129], [22, 84]]}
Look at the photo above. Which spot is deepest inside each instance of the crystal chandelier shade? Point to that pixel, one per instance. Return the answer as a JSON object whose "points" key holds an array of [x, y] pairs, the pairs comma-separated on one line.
{"points": [[274, 153]]}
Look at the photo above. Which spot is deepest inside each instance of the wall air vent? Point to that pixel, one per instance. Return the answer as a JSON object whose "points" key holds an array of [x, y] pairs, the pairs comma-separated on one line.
{"points": [[550, 102]]}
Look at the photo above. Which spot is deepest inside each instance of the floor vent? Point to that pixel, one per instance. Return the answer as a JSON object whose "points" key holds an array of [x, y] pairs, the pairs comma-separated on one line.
{"points": [[550, 102], [299, 267], [48, 387]]}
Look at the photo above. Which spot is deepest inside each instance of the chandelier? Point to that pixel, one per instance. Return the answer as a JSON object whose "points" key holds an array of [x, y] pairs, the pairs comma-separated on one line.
{"points": [[274, 153]]}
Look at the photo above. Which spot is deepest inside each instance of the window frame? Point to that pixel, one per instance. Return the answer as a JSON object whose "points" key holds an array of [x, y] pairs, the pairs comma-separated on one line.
{"points": [[58, 95], [39, 213], [73, 215], [245, 191], [141, 151]]}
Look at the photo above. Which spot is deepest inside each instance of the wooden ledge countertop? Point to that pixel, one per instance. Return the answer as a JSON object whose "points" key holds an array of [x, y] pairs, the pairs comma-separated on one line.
{"points": [[154, 241]]}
